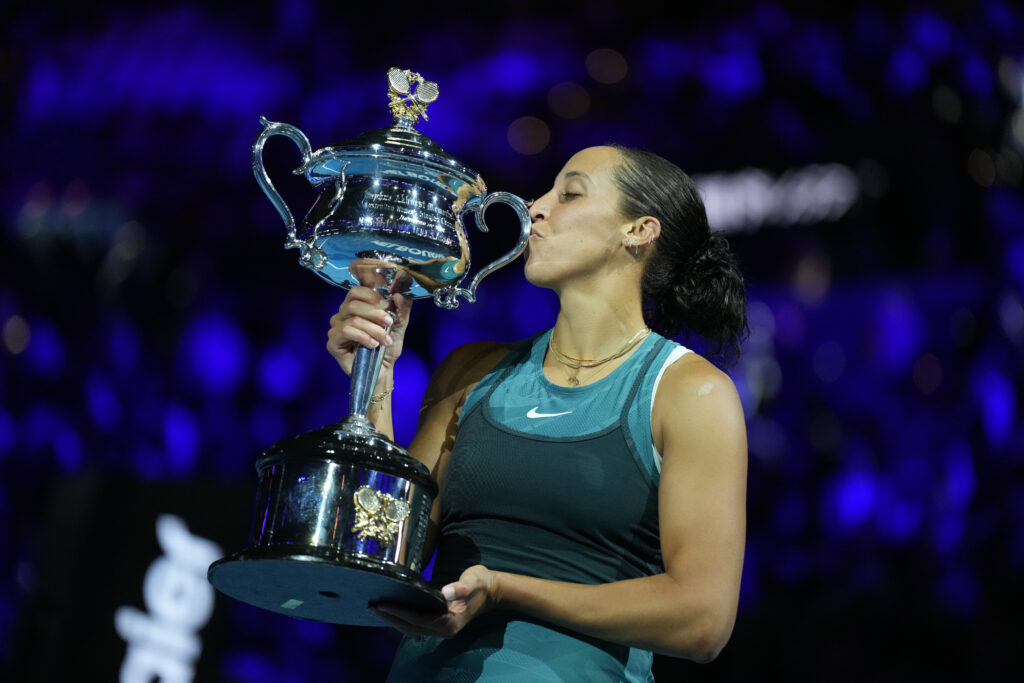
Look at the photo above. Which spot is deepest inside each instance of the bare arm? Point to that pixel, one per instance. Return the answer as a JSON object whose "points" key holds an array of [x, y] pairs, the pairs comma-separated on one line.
{"points": [[689, 610]]}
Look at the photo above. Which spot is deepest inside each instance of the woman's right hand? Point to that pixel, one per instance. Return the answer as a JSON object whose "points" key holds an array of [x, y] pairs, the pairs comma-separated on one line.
{"points": [[365, 319]]}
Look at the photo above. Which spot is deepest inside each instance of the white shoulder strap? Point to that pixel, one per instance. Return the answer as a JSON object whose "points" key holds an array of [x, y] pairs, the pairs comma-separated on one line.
{"points": [[676, 354]]}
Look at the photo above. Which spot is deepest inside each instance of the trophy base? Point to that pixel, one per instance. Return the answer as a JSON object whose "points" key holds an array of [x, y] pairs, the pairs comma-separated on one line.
{"points": [[309, 583]]}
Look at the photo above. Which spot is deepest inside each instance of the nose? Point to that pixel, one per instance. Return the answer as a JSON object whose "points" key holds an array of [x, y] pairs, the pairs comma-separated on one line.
{"points": [[537, 210]]}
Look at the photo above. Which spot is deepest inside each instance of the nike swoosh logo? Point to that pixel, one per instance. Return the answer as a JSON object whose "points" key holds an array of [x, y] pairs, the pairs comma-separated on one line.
{"points": [[533, 414]]}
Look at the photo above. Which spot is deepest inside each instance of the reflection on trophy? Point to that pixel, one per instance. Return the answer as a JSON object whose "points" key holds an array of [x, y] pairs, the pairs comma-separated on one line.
{"points": [[341, 512]]}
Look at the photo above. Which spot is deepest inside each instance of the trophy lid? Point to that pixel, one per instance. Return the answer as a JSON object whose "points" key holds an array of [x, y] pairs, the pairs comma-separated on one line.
{"points": [[399, 143]]}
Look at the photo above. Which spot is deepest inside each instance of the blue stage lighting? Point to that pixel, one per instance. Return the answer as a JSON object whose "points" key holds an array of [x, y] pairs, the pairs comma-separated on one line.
{"points": [[282, 373], [103, 403], [978, 76], [267, 425], [215, 353], [45, 352], [1015, 263], [933, 35], [898, 518], [8, 433], [899, 330], [124, 345], [906, 72], [961, 480], [181, 438], [408, 395], [852, 497], [736, 74], [67, 447], [997, 402]]}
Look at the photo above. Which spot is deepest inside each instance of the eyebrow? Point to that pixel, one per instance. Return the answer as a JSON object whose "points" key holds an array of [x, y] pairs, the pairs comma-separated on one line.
{"points": [[575, 174]]}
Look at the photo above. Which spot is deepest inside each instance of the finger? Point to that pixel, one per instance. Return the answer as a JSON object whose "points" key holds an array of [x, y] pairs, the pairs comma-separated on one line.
{"points": [[462, 589], [422, 623], [357, 330], [362, 309], [365, 294], [413, 617], [401, 625], [457, 595]]}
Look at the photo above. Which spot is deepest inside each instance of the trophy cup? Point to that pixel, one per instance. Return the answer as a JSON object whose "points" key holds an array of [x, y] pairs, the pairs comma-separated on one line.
{"points": [[341, 512]]}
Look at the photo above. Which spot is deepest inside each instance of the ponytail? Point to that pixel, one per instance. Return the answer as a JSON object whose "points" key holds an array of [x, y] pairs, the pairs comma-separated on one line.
{"points": [[691, 280]]}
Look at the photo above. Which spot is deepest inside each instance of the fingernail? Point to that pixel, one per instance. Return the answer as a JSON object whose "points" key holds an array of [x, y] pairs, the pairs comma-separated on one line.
{"points": [[388, 340], [448, 592]]}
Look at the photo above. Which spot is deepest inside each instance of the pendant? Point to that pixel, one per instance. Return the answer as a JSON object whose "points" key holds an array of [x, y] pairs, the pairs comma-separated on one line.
{"points": [[574, 381]]}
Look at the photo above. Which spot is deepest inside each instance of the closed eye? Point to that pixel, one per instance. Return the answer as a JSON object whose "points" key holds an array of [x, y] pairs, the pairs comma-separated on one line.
{"points": [[566, 196]]}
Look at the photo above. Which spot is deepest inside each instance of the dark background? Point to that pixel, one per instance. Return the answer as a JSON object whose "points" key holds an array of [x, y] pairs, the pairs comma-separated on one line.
{"points": [[155, 336]]}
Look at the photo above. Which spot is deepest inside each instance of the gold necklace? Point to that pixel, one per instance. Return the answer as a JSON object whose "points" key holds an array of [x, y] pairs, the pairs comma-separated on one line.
{"points": [[577, 363]]}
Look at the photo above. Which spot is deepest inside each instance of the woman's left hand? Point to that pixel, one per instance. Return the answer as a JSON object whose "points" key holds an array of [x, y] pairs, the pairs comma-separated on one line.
{"points": [[474, 593]]}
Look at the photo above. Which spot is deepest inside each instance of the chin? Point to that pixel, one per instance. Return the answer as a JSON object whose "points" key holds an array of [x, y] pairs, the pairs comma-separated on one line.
{"points": [[534, 273]]}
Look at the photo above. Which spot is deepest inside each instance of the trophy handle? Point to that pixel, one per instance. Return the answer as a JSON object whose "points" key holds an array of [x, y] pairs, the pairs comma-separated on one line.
{"points": [[271, 128], [446, 297]]}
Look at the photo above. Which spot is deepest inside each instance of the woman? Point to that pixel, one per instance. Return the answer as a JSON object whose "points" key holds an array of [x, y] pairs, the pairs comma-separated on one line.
{"points": [[593, 477]]}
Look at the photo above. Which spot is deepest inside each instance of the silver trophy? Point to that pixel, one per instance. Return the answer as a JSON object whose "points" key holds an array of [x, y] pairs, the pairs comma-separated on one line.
{"points": [[342, 512]]}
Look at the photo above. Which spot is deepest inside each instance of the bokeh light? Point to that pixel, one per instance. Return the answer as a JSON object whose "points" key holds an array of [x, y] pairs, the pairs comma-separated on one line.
{"points": [[606, 65], [215, 353], [16, 334], [528, 135], [569, 100], [981, 167], [927, 373]]}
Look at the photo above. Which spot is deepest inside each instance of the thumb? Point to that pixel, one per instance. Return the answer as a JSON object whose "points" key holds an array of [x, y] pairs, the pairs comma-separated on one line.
{"points": [[455, 591]]}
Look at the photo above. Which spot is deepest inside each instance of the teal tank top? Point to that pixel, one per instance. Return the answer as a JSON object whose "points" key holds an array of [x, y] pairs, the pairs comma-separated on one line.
{"points": [[554, 482]]}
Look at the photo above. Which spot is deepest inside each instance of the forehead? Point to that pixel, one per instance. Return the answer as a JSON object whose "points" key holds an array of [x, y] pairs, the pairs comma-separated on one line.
{"points": [[595, 162]]}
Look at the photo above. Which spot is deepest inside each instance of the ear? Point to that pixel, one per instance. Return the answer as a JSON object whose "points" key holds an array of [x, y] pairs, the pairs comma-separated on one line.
{"points": [[642, 231]]}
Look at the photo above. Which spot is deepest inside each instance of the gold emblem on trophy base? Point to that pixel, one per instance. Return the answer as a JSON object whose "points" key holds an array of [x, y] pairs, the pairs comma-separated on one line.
{"points": [[378, 515]]}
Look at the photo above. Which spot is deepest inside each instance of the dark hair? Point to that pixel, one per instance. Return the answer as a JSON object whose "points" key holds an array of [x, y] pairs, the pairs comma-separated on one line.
{"points": [[691, 280]]}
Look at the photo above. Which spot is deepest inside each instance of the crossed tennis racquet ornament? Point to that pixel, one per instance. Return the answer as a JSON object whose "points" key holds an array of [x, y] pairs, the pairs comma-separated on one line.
{"points": [[410, 93]]}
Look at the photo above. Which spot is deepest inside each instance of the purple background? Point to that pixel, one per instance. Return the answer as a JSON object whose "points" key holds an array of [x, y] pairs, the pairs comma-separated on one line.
{"points": [[155, 333]]}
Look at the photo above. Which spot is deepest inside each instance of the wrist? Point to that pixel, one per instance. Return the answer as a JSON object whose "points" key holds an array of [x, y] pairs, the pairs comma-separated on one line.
{"points": [[385, 380], [383, 394], [496, 589]]}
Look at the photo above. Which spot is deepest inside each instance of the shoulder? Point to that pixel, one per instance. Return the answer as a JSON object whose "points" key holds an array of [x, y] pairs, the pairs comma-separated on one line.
{"points": [[695, 396], [466, 365], [475, 359], [692, 373]]}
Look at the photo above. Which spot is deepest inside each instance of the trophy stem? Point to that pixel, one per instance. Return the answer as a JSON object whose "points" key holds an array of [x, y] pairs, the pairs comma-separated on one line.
{"points": [[365, 372], [366, 367]]}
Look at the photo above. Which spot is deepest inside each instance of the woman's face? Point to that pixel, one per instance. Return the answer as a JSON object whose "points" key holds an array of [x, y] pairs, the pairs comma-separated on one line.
{"points": [[577, 228]]}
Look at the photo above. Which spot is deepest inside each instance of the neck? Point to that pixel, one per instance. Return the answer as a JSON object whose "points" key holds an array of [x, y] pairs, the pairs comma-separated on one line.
{"points": [[596, 320]]}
